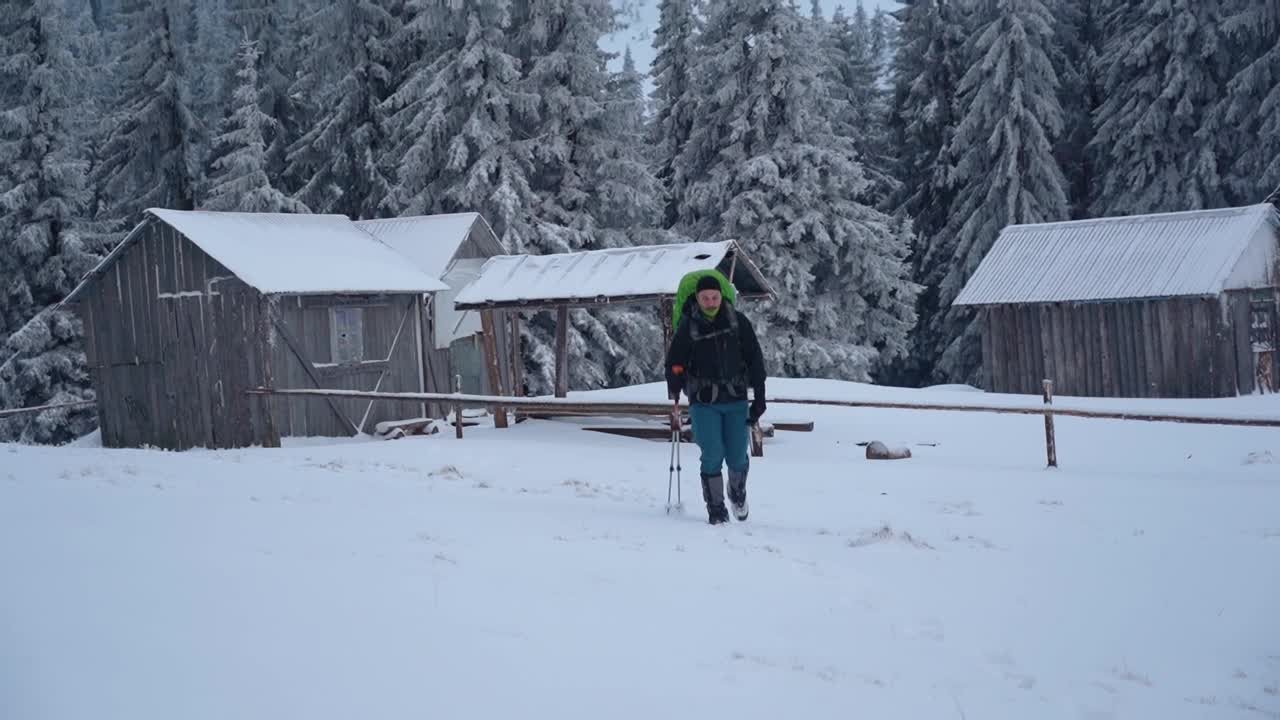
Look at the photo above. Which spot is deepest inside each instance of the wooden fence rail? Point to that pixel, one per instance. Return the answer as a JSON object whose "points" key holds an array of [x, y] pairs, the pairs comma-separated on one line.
{"points": [[41, 408], [545, 407]]}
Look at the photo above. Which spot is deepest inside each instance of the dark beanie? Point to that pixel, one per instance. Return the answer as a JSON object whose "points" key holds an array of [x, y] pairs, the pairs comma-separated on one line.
{"points": [[708, 282]]}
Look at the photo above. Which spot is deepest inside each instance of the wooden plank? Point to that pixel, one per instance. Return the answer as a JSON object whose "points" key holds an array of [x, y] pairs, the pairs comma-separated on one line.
{"points": [[1240, 321], [1108, 386], [562, 351], [1009, 339], [1043, 323], [268, 435], [1131, 383], [1229, 382], [1026, 346], [1168, 350], [489, 330], [984, 317]]}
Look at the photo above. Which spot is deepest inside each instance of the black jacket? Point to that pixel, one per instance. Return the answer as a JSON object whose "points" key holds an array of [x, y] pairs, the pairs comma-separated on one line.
{"points": [[721, 359]]}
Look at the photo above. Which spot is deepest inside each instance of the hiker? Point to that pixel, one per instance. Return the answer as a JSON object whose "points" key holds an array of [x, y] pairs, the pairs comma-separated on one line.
{"points": [[714, 357]]}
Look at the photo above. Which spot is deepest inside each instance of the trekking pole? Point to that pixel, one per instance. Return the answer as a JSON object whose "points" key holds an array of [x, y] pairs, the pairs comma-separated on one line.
{"points": [[674, 467]]}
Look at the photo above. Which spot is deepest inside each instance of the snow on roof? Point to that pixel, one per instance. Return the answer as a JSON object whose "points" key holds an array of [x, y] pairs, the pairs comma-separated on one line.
{"points": [[1196, 253], [299, 253], [593, 276], [430, 241]]}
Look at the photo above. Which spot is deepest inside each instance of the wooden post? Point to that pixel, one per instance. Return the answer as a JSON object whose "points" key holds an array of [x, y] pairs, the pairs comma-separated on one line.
{"points": [[1050, 443], [562, 351], [517, 357], [489, 328], [457, 407]]}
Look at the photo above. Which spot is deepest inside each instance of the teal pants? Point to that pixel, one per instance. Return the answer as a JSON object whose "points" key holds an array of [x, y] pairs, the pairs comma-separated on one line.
{"points": [[721, 432]]}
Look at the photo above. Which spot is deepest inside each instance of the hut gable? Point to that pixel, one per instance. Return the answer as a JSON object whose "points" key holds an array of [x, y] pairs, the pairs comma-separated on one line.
{"points": [[434, 242], [1201, 253]]}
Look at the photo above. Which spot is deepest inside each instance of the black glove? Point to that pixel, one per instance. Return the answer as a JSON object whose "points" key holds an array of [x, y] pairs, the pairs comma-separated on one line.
{"points": [[674, 386], [757, 409]]}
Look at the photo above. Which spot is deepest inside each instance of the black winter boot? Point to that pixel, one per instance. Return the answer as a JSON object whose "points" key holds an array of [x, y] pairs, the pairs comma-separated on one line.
{"points": [[713, 495], [738, 494]]}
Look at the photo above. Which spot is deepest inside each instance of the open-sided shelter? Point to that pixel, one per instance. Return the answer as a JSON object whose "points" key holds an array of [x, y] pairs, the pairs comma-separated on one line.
{"points": [[509, 284], [194, 308], [1167, 305]]}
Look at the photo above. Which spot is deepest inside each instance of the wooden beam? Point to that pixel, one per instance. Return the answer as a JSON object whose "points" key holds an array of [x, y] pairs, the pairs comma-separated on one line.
{"points": [[562, 351], [578, 302], [489, 329], [517, 357], [663, 409]]}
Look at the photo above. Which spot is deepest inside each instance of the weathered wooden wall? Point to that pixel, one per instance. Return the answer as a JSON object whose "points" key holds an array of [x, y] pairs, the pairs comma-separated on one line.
{"points": [[171, 341], [1183, 347], [302, 358]]}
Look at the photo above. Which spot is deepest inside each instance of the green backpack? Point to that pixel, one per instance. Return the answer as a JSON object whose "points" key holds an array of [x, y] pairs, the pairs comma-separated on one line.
{"points": [[689, 285]]}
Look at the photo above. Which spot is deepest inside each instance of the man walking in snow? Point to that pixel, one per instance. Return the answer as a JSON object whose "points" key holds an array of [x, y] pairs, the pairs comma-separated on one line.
{"points": [[714, 357]]}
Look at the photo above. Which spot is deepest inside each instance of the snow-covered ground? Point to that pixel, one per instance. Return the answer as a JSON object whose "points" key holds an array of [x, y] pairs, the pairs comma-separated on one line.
{"points": [[532, 572]]}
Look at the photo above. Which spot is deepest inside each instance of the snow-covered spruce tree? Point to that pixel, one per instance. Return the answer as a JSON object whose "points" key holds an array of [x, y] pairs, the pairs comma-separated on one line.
{"points": [[626, 196], [927, 69], [558, 45], [1077, 61], [765, 167], [675, 41], [239, 180], [861, 109], [274, 26], [454, 121], [151, 154], [1252, 102], [626, 202], [210, 47], [339, 164], [43, 201], [1167, 64], [1005, 170]]}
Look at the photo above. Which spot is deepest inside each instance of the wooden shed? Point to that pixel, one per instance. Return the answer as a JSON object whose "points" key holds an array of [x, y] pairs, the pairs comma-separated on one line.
{"points": [[510, 284], [1167, 305], [193, 308]]}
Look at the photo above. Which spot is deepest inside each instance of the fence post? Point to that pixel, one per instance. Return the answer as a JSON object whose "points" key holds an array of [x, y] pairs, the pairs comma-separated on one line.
{"points": [[1050, 443], [457, 407]]}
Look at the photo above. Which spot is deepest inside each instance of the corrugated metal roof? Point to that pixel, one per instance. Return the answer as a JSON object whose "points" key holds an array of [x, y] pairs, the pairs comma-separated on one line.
{"points": [[1179, 254], [636, 272], [430, 241]]}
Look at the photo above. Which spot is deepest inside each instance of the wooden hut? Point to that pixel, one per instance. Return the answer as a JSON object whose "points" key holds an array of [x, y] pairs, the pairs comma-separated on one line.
{"points": [[511, 284], [193, 308], [1168, 305]]}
